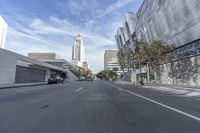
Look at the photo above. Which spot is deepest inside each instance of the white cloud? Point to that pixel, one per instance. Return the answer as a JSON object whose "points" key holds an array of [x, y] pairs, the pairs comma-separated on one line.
{"points": [[23, 43], [117, 5], [77, 7], [64, 28], [110, 9], [33, 39], [57, 35]]}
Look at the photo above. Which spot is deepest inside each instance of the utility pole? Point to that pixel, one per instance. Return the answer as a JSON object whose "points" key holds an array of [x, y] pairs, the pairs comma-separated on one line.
{"points": [[137, 49], [141, 77]]}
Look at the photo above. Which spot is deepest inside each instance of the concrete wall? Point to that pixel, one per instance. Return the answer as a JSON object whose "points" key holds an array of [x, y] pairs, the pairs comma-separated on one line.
{"points": [[7, 68], [182, 72], [71, 76], [9, 61], [29, 75]]}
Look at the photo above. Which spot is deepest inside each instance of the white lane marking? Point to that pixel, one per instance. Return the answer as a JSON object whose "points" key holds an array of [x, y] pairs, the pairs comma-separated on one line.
{"points": [[79, 89], [160, 104]]}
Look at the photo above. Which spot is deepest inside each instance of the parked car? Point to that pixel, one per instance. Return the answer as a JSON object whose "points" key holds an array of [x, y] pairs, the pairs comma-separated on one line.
{"points": [[55, 80], [90, 79]]}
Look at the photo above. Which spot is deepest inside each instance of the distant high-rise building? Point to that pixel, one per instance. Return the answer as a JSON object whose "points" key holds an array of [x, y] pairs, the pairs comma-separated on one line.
{"points": [[111, 61], [3, 30], [78, 52], [108, 56]]}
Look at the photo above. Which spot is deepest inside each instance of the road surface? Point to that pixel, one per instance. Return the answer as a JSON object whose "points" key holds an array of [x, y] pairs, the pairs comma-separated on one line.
{"points": [[96, 107]]}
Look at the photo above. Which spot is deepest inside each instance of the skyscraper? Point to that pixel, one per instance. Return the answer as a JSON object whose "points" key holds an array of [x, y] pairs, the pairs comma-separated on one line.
{"points": [[3, 30], [78, 51]]}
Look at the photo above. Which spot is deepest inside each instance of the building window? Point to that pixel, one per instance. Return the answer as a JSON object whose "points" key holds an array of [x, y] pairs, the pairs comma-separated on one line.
{"points": [[187, 50]]}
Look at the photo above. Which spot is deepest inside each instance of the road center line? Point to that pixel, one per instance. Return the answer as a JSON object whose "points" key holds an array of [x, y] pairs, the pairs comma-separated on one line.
{"points": [[79, 89], [158, 103]]}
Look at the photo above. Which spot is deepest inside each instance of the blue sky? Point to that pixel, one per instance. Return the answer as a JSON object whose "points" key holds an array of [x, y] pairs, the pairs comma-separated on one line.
{"points": [[51, 25]]}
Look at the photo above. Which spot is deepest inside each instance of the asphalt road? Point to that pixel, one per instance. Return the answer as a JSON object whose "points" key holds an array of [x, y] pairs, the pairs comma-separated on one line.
{"points": [[96, 107]]}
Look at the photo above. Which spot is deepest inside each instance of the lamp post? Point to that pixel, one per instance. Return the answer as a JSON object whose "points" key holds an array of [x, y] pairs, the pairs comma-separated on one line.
{"points": [[137, 50]]}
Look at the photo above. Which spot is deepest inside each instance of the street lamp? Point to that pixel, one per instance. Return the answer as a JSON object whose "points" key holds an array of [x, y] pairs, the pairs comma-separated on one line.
{"points": [[138, 42]]}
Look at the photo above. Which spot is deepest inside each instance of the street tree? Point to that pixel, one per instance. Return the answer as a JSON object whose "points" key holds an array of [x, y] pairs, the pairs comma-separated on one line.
{"points": [[85, 73], [107, 74], [121, 59], [154, 54]]}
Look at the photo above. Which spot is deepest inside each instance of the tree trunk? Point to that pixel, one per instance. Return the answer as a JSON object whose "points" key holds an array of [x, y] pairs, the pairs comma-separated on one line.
{"points": [[172, 71], [155, 76], [148, 73], [141, 77]]}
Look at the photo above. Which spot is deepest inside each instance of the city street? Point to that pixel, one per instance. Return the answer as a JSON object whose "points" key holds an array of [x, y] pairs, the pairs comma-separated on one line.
{"points": [[109, 66], [96, 107]]}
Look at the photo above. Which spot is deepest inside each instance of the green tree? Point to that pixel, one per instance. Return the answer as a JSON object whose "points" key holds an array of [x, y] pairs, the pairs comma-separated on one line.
{"points": [[121, 59], [85, 73], [154, 54], [106, 74], [131, 58]]}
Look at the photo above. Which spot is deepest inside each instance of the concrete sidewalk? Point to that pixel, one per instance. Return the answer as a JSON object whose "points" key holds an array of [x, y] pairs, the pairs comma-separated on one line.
{"points": [[172, 89], [6, 86]]}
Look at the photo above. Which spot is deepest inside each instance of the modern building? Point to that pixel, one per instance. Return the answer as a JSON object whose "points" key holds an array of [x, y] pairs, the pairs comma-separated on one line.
{"points": [[111, 61], [113, 65], [174, 22], [55, 60], [16, 68], [109, 55], [42, 55], [3, 31], [50, 58], [78, 53]]}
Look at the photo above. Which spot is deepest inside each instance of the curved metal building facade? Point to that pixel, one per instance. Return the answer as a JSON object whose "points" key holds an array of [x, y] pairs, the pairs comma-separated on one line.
{"points": [[172, 21]]}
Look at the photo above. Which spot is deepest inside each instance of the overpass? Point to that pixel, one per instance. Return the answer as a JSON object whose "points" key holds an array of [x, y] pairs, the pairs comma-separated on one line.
{"points": [[16, 68]]}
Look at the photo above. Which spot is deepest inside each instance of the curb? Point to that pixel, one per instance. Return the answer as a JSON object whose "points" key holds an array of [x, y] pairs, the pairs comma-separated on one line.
{"points": [[25, 85], [17, 86], [164, 86]]}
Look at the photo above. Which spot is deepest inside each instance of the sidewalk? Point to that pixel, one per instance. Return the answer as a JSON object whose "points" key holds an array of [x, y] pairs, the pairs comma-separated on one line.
{"points": [[172, 89], [6, 86]]}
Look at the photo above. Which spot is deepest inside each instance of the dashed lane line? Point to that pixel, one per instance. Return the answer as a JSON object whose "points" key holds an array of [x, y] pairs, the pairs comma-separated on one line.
{"points": [[77, 90]]}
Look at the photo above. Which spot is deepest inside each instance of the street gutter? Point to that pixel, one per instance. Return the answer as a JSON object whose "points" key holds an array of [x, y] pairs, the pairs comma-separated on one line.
{"points": [[21, 85]]}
